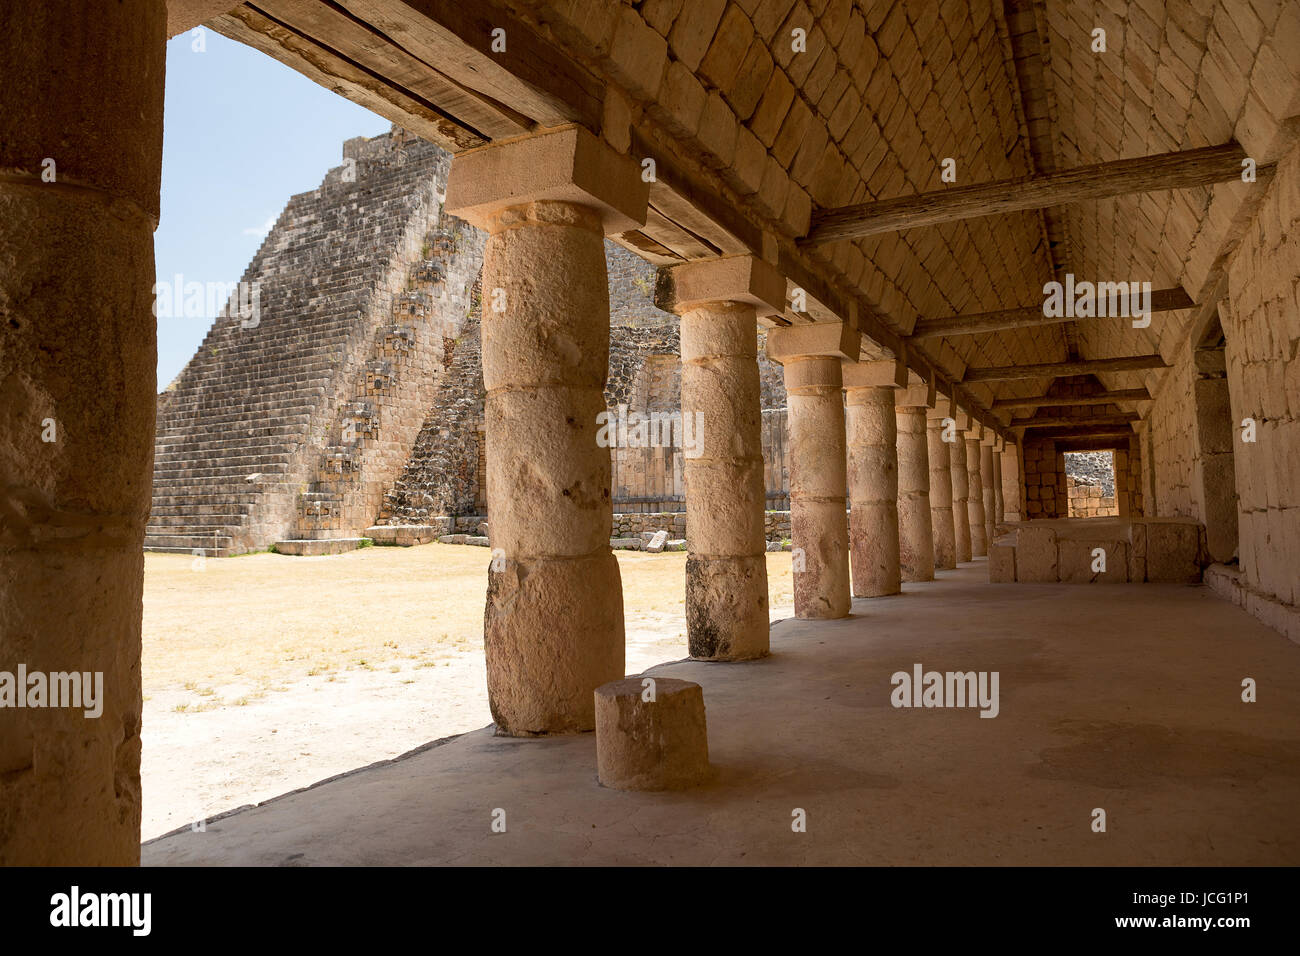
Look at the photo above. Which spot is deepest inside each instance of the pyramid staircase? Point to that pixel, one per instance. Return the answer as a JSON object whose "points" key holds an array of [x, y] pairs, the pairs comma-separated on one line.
{"points": [[373, 433], [280, 426]]}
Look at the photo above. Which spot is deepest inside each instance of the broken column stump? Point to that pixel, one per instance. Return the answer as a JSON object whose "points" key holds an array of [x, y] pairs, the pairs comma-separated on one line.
{"points": [[650, 734]]}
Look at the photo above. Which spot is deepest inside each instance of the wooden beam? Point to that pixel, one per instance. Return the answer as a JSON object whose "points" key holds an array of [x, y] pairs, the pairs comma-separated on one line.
{"points": [[1177, 170], [1007, 373], [1118, 442], [339, 74], [1081, 431], [1051, 421], [372, 50], [530, 74], [1101, 398], [1030, 316]]}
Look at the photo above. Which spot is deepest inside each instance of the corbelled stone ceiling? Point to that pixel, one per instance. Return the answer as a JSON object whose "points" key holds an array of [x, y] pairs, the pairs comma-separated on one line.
{"points": [[763, 114]]}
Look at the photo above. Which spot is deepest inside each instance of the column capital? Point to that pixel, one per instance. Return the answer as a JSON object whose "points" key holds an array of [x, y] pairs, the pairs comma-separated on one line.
{"points": [[914, 396], [744, 279], [974, 431], [942, 410], [990, 439], [815, 340], [565, 164], [884, 373]]}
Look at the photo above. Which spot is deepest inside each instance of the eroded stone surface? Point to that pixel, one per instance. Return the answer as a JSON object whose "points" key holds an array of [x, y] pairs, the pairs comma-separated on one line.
{"points": [[651, 734]]}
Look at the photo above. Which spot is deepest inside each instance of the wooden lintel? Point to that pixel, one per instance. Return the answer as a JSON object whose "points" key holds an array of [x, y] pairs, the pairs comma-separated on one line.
{"points": [[326, 68], [1080, 431], [1100, 398], [1065, 421], [1007, 373], [1031, 316], [1176, 170]]}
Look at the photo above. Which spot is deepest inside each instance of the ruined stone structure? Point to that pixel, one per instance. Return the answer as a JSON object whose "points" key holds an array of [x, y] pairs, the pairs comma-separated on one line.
{"points": [[1033, 226], [293, 421], [300, 423]]}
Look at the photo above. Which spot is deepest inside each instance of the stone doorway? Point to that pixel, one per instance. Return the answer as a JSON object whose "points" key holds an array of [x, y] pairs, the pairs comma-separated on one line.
{"points": [[1090, 484]]}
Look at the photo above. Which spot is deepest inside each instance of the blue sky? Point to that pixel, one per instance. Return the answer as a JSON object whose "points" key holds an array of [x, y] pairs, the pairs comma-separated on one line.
{"points": [[242, 133]]}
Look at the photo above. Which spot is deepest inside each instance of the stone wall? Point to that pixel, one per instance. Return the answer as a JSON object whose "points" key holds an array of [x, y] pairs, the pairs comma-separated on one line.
{"points": [[1262, 330], [1089, 501], [1172, 429], [1042, 467], [444, 475], [1047, 491]]}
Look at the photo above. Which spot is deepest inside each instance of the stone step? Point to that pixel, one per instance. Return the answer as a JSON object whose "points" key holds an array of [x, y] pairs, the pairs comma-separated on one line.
{"points": [[231, 473], [173, 538], [266, 394], [249, 428], [203, 447], [186, 540], [318, 546], [217, 513], [207, 552], [258, 462], [227, 480]]}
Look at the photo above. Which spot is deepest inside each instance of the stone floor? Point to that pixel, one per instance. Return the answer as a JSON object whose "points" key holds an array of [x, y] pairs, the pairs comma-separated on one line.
{"points": [[1127, 699]]}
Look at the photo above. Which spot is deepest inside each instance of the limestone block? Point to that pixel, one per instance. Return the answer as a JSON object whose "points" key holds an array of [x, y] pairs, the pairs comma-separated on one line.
{"points": [[637, 55], [546, 626], [726, 607], [1036, 554], [657, 542], [651, 734], [1076, 558], [1173, 552], [567, 164], [1137, 552], [744, 279], [1002, 562]]}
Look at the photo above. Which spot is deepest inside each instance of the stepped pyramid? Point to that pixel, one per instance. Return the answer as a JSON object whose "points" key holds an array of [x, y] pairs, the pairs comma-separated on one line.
{"points": [[292, 424]]}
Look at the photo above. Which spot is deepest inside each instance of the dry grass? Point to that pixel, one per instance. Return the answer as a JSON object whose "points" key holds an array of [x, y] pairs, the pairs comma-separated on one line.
{"points": [[265, 620]]}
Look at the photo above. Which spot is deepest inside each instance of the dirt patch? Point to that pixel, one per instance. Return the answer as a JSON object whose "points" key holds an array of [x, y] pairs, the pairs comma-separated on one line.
{"points": [[265, 673]]}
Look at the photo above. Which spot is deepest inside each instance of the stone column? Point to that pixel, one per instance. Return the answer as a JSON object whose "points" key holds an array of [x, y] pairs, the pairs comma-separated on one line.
{"points": [[941, 506], [998, 501], [81, 112], [811, 355], [988, 487], [553, 627], [960, 498], [975, 499], [1011, 482], [726, 567], [873, 478], [915, 533]]}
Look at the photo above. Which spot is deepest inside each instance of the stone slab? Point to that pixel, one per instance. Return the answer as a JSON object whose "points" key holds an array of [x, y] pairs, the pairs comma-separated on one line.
{"points": [[311, 547]]}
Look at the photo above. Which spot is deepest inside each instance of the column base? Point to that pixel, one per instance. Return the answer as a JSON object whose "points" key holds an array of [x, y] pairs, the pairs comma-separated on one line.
{"points": [[552, 634], [726, 607]]}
